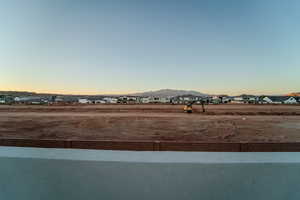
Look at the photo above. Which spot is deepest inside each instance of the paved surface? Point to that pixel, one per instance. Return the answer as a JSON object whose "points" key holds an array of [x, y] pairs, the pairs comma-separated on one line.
{"points": [[35, 174]]}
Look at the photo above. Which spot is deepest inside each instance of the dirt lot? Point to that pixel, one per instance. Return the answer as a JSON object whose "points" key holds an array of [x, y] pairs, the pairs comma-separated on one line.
{"points": [[221, 123], [225, 109]]}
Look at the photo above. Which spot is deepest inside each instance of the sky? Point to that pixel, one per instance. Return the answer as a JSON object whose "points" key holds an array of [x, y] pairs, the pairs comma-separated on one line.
{"points": [[126, 46]]}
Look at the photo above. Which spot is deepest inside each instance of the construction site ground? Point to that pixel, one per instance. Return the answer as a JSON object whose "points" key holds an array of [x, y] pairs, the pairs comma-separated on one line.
{"points": [[220, 123]]}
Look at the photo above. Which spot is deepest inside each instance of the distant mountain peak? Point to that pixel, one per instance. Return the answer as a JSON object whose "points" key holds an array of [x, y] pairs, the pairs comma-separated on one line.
{"points": [[169, 93]]}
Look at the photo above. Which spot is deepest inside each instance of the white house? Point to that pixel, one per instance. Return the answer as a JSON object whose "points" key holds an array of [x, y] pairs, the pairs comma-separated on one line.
{"points": [[99, 101], [2, 99], [110, 100], [145, 99], [159, 100], [216, 100], [17, 99], [84, 101], [165, 100], [29, 100], [291, 100], [187, 98], [238, 99]]}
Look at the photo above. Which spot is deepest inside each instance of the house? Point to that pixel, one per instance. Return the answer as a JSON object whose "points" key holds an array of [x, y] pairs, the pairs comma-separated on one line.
{"points": [[84, 101], [133, 99], [111, 100], [238, 99], [224, 98], [2, 99], [57, 99], [154, 99], [216, 100], [160, 100], [99, 101], [278, 99], [243, 99], [35, 100], [252, 100], [174, 100], [145, 99], [121, 99], [129, 99], [96, 99], [64, 99], [165, 100], [291, 100], [70, 99], [182, 99]]}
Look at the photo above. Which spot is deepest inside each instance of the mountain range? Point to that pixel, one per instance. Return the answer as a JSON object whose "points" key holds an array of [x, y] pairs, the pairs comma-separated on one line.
{"points": [[169, 93]]}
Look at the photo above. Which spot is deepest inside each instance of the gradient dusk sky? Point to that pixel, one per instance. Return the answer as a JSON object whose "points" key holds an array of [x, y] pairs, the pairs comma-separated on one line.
{"points": [[124, 46]]}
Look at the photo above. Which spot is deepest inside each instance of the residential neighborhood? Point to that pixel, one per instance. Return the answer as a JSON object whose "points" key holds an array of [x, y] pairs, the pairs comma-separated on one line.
{"points": [[130, 99]]}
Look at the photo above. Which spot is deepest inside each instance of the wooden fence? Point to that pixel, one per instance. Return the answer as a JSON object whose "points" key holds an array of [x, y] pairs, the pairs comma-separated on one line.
{"points": [[153, 145]]}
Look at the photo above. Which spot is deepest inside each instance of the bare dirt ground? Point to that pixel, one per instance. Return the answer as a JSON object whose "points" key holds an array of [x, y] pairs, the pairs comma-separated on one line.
{"points": [[223, 109], [221, 123]]}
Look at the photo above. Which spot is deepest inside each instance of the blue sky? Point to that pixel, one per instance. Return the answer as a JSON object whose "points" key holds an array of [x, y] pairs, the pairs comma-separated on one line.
{"points": [[121, 46]]}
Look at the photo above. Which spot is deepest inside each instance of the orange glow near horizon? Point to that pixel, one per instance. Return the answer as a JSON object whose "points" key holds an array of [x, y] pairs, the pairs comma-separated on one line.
{"points": [[122, 92], [65, 92]]}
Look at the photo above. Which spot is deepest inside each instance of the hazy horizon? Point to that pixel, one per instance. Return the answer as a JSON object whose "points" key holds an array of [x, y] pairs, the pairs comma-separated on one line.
{"points": [[123, 47]]}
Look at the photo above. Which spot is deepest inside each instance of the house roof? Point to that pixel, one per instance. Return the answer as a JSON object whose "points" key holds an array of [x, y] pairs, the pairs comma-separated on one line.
{"points": [[278, 98]]}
